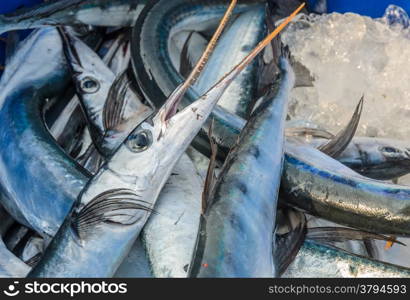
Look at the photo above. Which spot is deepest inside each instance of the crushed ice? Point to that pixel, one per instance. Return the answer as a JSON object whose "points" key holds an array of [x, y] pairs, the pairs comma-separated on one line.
{"points": [[349, 55]]}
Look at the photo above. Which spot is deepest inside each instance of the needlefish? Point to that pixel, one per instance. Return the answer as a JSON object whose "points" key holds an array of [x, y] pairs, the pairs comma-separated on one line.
{"points": [[377, 158], [32, 188], [111, 107], [321, 261], [158, 22], [375, 206], [235, 237], [117, 201]]}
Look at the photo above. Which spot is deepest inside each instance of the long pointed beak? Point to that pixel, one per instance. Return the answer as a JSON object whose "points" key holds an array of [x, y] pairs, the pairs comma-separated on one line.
{"points": [[194, 115], [170, 107]]}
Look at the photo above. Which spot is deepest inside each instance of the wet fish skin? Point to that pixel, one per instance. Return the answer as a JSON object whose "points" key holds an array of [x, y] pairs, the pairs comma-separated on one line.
{"points": [[74, 12], [117, 201], [376, 158], [240, 218], [94, 81], [325, 188], [153, 66], [319, 261], [243, 34], [24, 87], [169, 236]]}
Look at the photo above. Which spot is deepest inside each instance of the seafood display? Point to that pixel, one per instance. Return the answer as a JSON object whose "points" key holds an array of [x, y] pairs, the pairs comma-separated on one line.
{"points": [[202, 138]]}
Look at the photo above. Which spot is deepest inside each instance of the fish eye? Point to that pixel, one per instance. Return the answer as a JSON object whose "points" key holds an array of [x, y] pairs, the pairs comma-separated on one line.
{"points": [[139, 141], [89, 85], [390, 150]]}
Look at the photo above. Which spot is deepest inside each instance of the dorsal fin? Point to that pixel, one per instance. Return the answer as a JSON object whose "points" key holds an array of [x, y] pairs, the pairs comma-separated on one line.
{"points": [[186, 64], [287, 245], [339, 143]]}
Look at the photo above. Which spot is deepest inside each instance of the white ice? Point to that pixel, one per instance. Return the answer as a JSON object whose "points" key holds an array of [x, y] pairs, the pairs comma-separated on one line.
{"points": [[350, 55]]}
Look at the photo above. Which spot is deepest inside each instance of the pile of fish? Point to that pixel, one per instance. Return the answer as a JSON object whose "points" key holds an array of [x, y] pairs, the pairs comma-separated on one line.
{"points": [[150, 139]]}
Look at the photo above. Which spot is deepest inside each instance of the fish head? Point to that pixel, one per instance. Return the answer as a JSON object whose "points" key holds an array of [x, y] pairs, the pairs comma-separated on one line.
{"points": [[390, 151], [152, 149], [379, 158], [92, 77], [394, 151]]}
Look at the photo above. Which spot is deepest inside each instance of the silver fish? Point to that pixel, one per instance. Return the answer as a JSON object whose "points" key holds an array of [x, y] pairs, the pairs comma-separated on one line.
{"points": [[170, 235], [117, 202], [377, 158], [235, 238], [325, 188], [106, 99], [315, 260], [36, 175]]}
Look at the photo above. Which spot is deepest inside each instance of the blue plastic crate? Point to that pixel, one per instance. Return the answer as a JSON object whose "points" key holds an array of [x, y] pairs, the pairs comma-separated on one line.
{"points": [[371, 8]]}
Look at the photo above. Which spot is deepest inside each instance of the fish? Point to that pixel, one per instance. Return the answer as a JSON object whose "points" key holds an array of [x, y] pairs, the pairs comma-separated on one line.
{"points": [[153, 67], [37, 177], [73, 13], [240, 215], [111, 107], [167, 241], [315, 183], [169, 236], [376, 158], [117, 201], [390, 218], [318, 261], [70, 128]]}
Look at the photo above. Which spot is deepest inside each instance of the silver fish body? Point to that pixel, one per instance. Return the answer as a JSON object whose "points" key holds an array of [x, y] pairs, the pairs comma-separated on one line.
{"points": [[325, 188], [111, 113], [318, 261], [170, 235], [37, 177], [377, 158], [235, 238]]}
